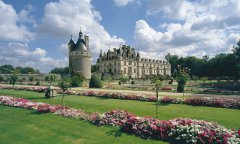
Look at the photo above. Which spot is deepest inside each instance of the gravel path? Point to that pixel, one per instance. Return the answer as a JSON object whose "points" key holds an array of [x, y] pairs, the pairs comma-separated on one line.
{"points": [[153, 93]]}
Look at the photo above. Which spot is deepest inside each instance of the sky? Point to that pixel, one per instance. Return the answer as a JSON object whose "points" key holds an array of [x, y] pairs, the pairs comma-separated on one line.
{"points": [[35, 33]]}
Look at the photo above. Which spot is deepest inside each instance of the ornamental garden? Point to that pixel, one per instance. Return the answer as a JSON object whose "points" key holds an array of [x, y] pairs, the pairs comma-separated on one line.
{"points": [[58, 108]]}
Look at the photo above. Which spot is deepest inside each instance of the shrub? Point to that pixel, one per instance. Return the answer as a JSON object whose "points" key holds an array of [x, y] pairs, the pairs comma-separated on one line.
{"points": [[77, 81], [180, 88], [37, 83], [95, 82], [133, 82]]}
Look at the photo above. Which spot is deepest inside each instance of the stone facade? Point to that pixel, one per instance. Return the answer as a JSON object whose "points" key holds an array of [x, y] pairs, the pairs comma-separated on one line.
{"points": [[125, 61], [80, 56]]}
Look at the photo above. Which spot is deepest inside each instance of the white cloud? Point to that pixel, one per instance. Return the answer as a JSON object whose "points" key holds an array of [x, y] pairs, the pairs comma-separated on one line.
{"points": [[121, 3], [19, 54], [63, 18], [201, 27], [39, 52], [9, 29]]}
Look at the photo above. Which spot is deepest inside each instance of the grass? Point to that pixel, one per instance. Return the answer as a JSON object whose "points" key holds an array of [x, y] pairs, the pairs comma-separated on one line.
{"points": [[23, 126], [226, 117]]}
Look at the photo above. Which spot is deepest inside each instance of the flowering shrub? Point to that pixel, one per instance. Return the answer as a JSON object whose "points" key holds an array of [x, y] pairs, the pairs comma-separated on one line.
{"points": [[214, 102], [170, 100], [167, 88], [114, 118], [72, 113], [180, 130]]}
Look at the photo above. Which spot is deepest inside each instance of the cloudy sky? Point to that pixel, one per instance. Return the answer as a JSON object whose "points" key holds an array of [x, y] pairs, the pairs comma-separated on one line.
{"points": [[35, 33]]}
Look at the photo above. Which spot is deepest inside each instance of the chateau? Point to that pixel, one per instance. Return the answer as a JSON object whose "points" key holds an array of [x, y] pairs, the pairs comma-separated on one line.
{"points": [[80, 56], [125, 61]]}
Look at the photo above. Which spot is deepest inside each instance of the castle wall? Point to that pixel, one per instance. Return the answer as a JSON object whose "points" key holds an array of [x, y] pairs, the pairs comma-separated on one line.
{"points": [[81, 63], [130, 64]]}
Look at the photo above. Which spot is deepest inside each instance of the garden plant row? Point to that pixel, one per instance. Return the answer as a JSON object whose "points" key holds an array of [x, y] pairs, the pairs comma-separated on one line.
{"points": [[233, 103], [179, 130]]}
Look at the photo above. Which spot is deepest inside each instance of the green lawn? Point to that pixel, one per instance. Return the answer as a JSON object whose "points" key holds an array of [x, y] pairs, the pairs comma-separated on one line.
{"points": [[21, 126], [229, 118]]}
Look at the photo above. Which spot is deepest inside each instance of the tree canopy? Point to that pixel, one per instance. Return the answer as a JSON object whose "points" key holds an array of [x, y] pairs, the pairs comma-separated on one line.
{"points": [[7, 69]]}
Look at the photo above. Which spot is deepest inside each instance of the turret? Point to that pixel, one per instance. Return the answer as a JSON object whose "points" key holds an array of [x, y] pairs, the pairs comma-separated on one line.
{"points": [[71, 45], [100, 53]]}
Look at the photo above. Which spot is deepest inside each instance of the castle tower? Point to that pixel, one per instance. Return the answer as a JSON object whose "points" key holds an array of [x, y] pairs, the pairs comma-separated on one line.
{"points": [[80, 56]]}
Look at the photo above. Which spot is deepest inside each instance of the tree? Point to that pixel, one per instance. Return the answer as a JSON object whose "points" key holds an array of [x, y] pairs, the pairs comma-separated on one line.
{"points": [[195, 78], [182, 79], [95, 82], [123, 79], [14, 77], [61, 71], [236, 52], [109, 79], [64, 84], [1, 78], [174, 61], [157, 85], [51, 78], [31, 78], [93, 68], [204, 79], [6, 69], [77, 80]]}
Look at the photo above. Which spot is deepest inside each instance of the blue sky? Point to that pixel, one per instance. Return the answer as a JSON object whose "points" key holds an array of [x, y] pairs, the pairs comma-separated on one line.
{"points": [[36, 33]]}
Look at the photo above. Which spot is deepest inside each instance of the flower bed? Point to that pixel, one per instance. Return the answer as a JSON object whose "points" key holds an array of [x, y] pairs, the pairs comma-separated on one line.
{"points": [[214, 102], [180, 130], [233, 103]]}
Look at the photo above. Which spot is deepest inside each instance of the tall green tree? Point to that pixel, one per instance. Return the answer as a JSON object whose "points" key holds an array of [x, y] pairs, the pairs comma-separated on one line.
{"points": [[182, 79], [157, 85], [174, 61], [123, 80], [236, 52], [14, 77], [64, 84], [51, 78]]}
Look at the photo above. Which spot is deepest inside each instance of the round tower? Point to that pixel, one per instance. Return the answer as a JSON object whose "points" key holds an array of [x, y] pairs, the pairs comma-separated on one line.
{"points": [[80, 57]]}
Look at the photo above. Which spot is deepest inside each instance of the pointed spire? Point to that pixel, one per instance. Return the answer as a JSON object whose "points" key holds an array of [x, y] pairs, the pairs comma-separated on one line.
{"points": [[80, 33], [71, 36], [100, 52]]}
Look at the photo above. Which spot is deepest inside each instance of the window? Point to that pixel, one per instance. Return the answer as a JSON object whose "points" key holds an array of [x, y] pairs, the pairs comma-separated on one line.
{"points": [[115, 70], [135, 70], [125, 70], [129, 70], [114, 63], [124, 63], [130, 63]]}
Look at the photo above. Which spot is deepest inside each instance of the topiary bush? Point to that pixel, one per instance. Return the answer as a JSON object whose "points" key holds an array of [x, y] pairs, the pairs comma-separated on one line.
{"points": [[95, 82]]}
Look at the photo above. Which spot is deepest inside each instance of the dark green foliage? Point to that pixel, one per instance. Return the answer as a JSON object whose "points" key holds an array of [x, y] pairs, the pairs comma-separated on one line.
{"points": [[182, 78], [14, 77], [37, 83], [95, 82], [77, 80], [93, 68], [31, 78], [222, 65], [7, 69], [1, 78], [133, 82], [51, 78], [61, 71], [180, 88]]}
